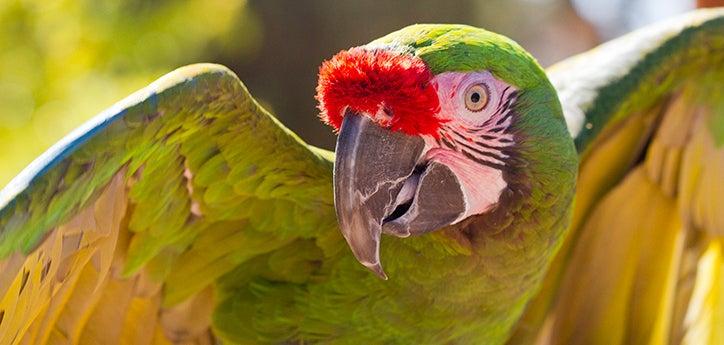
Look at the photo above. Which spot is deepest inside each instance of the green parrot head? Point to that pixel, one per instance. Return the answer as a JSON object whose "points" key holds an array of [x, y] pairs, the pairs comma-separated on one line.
{"points": [[439, 124]]}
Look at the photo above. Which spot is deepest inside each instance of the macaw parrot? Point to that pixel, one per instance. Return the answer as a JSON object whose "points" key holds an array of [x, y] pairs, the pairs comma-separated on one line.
{"points": [[473, 198]]}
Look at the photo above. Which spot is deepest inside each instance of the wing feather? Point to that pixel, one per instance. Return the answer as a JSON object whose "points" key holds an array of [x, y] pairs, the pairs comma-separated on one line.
{"points": [[120, 230], [640, 260]]}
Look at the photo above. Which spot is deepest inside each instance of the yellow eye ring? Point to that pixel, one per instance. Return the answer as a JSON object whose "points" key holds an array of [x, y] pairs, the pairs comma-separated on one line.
{"points": [[476, 97]]}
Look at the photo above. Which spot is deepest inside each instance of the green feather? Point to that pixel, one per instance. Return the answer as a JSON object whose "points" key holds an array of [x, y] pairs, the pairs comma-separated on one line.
{"points": [[222, 195]]}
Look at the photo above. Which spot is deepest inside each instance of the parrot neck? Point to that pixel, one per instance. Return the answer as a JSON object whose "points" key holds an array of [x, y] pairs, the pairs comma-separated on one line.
{"points": [[474, 278], [513, 244], [512, 247], [485, 269]]}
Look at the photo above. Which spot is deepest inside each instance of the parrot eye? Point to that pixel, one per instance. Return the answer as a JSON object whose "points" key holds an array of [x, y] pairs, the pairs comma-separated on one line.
{"points": [[476, 97]]}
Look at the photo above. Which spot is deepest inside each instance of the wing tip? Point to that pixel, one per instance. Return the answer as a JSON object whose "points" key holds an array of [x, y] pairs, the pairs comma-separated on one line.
{"points": [[190, 72], [71, 141]]}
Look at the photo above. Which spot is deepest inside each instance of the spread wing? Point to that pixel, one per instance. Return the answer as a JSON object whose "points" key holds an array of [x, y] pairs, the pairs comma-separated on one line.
{"points": [[644, 260], [119, 230]]}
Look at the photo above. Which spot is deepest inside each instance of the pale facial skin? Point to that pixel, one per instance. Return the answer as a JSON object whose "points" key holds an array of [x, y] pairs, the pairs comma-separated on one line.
{"points": [[426, 181], [475, 106]]}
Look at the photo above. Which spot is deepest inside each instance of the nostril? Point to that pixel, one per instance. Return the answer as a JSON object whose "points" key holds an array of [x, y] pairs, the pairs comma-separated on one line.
{"points": [[383, 116], [387, 111]]}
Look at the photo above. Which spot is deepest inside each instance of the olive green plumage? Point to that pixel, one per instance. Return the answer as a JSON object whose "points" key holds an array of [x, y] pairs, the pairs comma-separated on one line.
{"points": [[221, 194], [466, 48]]}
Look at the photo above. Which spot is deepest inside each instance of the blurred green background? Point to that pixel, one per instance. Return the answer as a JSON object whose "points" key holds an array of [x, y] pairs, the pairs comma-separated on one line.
{"points": [[63, 61]]}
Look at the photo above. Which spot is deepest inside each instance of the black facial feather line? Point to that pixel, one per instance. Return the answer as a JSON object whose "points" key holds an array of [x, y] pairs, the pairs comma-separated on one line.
{"points": [[488, 143]]}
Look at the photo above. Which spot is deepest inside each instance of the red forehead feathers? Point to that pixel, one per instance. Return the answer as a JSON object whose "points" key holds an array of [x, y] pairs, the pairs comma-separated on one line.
{"points": [[368, 80]]}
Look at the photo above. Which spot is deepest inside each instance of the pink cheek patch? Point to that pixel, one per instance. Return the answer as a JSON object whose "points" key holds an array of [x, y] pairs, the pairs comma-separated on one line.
{"points": [[374, 81]]}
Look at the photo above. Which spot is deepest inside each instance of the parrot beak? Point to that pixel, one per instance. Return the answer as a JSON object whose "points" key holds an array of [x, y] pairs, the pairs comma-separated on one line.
{"points": [[382, 183], [370, 168]]}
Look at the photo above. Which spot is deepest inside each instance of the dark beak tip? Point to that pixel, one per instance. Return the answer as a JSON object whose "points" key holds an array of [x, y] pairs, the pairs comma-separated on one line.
{"points": [[377, 269]]}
